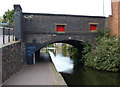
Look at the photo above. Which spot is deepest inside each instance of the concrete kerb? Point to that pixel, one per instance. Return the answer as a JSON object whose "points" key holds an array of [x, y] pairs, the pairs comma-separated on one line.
{"points": [[59, 80], [3, 45]]}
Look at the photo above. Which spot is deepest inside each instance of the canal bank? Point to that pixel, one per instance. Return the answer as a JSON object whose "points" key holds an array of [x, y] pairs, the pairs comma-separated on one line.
{"points": [[42, 73]]}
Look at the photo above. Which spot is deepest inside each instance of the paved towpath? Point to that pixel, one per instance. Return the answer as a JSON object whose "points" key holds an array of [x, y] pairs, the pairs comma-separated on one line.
{"points": [[43, 73]]}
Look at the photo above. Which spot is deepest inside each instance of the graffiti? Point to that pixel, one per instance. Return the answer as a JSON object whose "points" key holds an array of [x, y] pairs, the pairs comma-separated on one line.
{"points": [[31, 47], [30, 50]]}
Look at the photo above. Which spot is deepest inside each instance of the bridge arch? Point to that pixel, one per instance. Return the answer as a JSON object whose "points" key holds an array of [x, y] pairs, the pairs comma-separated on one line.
{"points": [[76, 43]]}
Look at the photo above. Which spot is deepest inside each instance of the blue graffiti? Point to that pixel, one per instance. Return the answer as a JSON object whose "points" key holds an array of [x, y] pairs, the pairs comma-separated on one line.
{"points": [[29, 54], [30, 50], [31, 47]]}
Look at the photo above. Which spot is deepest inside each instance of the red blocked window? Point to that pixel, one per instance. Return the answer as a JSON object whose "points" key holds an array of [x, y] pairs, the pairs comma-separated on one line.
{"points": [[93, 27], [60, 28]]}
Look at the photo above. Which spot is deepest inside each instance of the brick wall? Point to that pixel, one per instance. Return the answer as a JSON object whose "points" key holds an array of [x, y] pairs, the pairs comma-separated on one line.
{"points": [[0, 66], [119, 18], [115, 18]]}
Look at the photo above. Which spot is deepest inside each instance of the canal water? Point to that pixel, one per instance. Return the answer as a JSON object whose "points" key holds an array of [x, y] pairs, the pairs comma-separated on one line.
{"points": [[78, 75]]}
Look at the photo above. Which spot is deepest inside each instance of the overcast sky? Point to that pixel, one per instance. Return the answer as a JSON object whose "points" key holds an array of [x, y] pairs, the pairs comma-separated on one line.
{"points": [[74, 7]]}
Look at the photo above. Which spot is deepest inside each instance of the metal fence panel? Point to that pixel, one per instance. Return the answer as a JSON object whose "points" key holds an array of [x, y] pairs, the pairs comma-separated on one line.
{"points": [[6, 34]]}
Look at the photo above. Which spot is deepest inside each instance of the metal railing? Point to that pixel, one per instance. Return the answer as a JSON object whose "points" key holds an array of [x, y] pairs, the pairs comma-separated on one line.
{"points": [[6, 34]]}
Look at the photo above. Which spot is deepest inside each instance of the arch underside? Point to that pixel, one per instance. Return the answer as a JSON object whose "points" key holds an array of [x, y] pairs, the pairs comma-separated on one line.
{"points": [[40, 42]]}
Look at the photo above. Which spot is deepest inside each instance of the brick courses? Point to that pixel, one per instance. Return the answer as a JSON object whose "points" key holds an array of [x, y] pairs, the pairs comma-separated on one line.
{"points": [[115, 18]]}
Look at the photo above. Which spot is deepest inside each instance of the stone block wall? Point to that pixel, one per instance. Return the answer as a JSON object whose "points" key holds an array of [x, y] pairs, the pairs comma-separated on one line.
{"points": [[12, 59], [46, 23]]}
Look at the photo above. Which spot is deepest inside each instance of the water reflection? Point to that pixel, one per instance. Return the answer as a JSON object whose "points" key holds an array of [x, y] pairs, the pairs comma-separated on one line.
{"points": [[62, 64], [77, 75], [88, 76]]}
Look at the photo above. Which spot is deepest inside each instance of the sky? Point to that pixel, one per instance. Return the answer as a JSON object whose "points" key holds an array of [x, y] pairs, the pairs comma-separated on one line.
{"points": [[72, 7]]}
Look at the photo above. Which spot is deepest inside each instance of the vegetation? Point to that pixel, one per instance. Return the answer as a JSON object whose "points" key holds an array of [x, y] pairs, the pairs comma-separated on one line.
{"points": [[74, 54], [64, 49], [52, 50], [8, 17], [50, 45], [105, 55], [0, 19]]}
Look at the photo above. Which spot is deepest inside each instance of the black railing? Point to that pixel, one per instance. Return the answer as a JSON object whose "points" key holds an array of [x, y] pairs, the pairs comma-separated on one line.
{"points": [[6, 34]]}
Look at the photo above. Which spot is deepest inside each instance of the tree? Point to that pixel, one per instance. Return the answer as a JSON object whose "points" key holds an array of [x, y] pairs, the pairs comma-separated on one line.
{"points": [[8, 17]]}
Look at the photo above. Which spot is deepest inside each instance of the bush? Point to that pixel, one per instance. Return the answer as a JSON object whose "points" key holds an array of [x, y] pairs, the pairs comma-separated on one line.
{"points": [[64, 49], [73, 52], [106, 54], [74, 55]]}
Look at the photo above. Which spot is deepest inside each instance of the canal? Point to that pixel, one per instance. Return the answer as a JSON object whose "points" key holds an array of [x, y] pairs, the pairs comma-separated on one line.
{"points": [[79, 75]]}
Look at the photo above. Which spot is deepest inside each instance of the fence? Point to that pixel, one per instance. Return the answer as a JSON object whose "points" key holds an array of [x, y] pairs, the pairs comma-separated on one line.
{"points": [[6, 34]]}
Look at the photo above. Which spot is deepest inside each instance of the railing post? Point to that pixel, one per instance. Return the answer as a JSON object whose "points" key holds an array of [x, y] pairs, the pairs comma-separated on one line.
{"points": [[8, 34], [13, 34], [3, 35]]}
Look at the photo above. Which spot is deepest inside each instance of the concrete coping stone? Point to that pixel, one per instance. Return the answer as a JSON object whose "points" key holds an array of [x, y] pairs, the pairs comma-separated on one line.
{"points": [[7, 44]]}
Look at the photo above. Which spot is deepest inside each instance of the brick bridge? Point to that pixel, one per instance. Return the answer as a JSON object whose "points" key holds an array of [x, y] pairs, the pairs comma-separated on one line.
{"points": [[37, 30]]}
